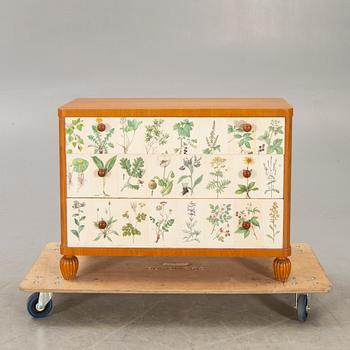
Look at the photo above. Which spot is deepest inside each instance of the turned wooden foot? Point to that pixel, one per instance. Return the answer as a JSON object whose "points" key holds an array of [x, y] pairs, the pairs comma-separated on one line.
{"points": [[69, 266], [281, 269]]}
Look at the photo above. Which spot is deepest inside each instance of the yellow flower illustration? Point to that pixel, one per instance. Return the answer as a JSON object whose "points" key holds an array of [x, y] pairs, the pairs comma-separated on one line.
{"points": [[217, 161], [99, 120], [248, 160]]}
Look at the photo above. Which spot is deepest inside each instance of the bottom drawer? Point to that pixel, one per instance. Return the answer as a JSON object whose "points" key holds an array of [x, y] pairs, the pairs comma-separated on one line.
{"points": [[175, 223]]}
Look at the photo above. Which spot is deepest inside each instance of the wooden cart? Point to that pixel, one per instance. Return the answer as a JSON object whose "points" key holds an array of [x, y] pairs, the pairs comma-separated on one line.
{"points": [[174, 275]]}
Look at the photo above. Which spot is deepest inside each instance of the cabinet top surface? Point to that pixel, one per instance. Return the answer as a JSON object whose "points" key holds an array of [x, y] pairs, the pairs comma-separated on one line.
{"points": [[87, 106]]}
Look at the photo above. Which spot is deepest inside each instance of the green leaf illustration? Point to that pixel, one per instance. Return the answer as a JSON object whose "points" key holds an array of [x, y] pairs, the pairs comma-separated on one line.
{"points": [[254, 221], [197, 181], [110, 163], [137, 167], [98, 162], [130, 230], [126, 165], [80, 165], [183, 177], [75, 233]]}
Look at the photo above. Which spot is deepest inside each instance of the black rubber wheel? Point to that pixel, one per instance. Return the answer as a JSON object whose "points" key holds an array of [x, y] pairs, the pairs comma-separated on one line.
{"points": [[31, 306], [302, 307]]}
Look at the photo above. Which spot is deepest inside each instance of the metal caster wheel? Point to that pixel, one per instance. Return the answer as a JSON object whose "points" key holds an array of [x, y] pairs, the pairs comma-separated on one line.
{"points": [[302, 306], [39, 305]]}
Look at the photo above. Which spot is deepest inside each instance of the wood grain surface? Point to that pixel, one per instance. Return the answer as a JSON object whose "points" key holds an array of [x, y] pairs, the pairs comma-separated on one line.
{"points": [[181, 275], [124, 107]]}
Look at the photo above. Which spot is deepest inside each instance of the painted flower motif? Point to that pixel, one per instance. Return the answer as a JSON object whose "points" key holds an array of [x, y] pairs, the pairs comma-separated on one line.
{"points": [[217, 161], [248, 160], [160, 206], [77, 205], [164, 160], [99, 120]]}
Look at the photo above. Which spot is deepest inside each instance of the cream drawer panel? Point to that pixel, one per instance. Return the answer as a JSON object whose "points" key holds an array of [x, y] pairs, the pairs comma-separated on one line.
{"points": [[175, 223], [175, 176], [175, 135]]}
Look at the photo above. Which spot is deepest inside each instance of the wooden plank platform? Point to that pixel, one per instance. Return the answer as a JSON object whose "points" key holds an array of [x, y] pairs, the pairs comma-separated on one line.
{"points": [[179, 275]]}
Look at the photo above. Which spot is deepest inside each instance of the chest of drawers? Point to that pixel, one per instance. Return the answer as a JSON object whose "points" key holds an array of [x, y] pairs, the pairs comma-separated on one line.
{"points": [[175, 177]]}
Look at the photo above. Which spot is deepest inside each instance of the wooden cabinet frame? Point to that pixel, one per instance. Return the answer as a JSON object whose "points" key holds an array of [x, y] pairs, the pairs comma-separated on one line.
{"points": [[205, 108]]}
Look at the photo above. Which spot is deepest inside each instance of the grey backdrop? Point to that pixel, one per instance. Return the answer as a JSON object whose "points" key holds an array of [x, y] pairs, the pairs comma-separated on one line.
{"points": [[54, 51]]}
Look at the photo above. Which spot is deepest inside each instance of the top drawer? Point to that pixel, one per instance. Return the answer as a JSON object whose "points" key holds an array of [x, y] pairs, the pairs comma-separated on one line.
{"points": [[174, 135]]}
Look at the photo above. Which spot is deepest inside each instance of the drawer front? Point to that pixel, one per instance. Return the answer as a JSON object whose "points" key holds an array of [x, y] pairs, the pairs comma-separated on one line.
{"points": [[173, 223], [175, 135], [175, 176], [175, 182]]}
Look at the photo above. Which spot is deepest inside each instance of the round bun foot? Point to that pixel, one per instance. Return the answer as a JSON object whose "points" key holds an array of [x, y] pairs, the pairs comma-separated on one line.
{"points": [[69, 266], [281, 269]]}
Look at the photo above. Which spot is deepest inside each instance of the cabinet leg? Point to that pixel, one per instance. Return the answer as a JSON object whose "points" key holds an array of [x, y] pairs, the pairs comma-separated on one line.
{"points": [[69, 266], [281, 269]]}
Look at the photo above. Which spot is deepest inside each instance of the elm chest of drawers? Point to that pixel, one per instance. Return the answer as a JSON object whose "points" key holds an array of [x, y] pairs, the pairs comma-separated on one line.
{"points": [[175, 177]]}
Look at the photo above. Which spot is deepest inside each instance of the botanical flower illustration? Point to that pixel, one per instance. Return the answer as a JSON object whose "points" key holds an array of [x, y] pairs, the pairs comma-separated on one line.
{"points": [[79, 218], [271, 137], [184, 129], [220, 216], [128, 128], [133, 172], [271, 173], [188, 181], [243, 133], [78, 166], [134, 217], [104, 169], [104, 224], [165, 182], [163, 221], [218, 183], [100, 139], [212, 142], [249, 186], [73, 139], [274, 216], [191, 232], [155, 136], [247, 221]]}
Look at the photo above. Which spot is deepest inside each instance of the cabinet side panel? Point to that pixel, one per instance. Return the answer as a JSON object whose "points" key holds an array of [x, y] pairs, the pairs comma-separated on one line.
{"points": [[63, 185], [287, 183]]}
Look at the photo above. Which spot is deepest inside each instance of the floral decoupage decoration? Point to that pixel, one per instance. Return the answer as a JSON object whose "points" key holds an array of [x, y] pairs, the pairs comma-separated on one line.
{"points": [[248, 220], [212, 142], [74, 142], [271, 175], [191, 231], [218, 183], [272, 138], [219, 218], [134, 217], [79, 218], [155, 136], [101, 140], [78, 166], [189, 181], [103, 170], [163, 220], [128, 128], [133, 172], [274, 217], [243, 134], [104, 223], [184, 129], [249, 185], [166, 182]]}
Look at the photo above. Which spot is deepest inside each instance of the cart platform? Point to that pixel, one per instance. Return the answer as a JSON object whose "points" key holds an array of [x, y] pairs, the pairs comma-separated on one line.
{"points": [[183, 275]]}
